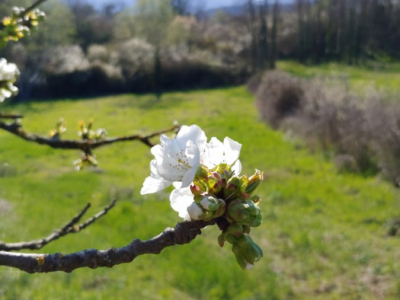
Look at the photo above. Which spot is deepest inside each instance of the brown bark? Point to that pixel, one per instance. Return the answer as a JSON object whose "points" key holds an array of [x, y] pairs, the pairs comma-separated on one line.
{"points": [[183, 233]]}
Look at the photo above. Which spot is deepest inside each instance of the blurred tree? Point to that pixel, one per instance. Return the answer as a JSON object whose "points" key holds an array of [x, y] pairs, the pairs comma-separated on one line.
{"points": [[180, 7], [263, 35], [59, 28], [156, 22], [274, 32], [92, 27]]}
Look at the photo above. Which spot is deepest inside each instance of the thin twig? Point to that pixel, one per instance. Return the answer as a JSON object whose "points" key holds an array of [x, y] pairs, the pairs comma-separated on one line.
{"points": [[183, 233], [68, 228], [84, 145]]}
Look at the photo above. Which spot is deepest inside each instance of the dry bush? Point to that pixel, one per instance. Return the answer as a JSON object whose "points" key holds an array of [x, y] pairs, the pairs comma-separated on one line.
{"points": [[322, 111], [384, 123], [339, 121]]}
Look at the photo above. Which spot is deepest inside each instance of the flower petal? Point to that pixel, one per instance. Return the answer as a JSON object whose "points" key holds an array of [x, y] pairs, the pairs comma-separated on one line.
{"points": [[181, 199], [232, 150], [192, 133], [154, 183]]}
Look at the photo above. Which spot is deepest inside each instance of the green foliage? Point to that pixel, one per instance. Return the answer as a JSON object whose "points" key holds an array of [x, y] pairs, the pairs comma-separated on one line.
{"points": [[153, 20], [58, 29], [323, 236]]}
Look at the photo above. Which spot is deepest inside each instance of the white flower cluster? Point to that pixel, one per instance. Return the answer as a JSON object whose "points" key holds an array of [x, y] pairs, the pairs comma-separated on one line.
{"points": [[8, 75], [176, 161]]}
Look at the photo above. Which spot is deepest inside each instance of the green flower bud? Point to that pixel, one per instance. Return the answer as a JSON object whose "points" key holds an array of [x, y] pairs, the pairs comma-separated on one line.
{"points": [[246, 229], [253, 209], [232, 188], [221, 239], [221, 208], [201, 173], [235, 229], [200, 185], [237, 212], [221, 168], [256, 221], [246, 251]]}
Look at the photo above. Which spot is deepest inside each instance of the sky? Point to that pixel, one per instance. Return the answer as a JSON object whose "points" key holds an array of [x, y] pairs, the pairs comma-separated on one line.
{"points": [[208, 4]]}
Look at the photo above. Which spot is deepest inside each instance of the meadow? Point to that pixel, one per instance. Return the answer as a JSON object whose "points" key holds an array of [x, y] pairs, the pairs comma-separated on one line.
{"points": [[379, 76], [324, 234]]}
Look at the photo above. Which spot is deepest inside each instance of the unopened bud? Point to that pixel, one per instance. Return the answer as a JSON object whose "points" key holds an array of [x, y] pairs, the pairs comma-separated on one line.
{"points": [[246, 251], [232, 187], [235, 229], [201, 173], [254, 182], [237, 212], [195, 212], [195, 190], [209, 203]]}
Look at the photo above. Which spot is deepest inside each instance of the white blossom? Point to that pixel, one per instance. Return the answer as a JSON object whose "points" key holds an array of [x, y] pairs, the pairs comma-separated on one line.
{"points": [[8, 75], [228, 152], [213, 154], [175, 160]]}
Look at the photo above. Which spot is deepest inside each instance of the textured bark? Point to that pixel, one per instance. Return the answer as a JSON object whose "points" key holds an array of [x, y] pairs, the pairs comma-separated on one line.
{"points": [[84, 145], [183, 233]]}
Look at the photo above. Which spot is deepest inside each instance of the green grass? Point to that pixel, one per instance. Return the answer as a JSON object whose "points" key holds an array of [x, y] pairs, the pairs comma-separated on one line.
{"points": [[381, 77], [323, 235]]}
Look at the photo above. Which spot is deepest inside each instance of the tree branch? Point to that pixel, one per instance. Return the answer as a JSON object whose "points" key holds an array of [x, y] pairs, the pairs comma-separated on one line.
{"points": [[84, 145], [32, 7], [10, 116], [183, 233], [68, 228]]}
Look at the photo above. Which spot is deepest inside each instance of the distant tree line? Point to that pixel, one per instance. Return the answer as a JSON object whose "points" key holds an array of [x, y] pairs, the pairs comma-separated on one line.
{"points": [[349, 31]]}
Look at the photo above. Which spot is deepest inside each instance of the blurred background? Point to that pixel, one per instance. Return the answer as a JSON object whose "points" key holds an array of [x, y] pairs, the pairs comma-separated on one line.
{"points": [[309, 87], [107, 47]]}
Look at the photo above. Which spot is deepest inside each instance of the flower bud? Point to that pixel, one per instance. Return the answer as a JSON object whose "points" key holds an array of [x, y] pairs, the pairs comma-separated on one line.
{"points": [[222, 167], [209, 203], [237, 212], [232, 188], [195, 189], [254, 182], [256, 221], [246, 229], [253, 209], [244, 180], [201, 173], [221, 239], [246, 251], [221, 208], [195, 212]]}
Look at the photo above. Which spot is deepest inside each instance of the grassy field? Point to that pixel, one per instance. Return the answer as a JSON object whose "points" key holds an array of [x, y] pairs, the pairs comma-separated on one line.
{"points": [[381, 77], [323, 236]]}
